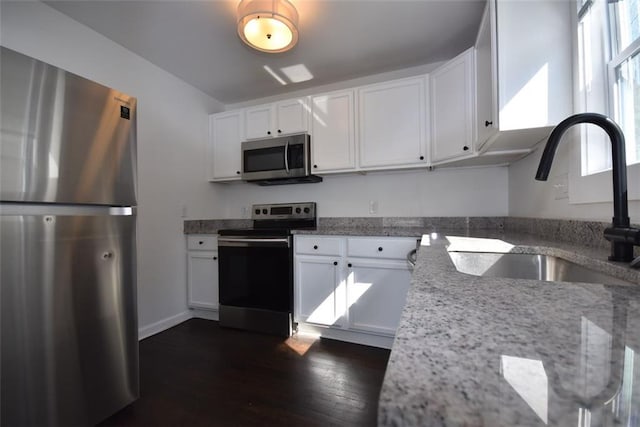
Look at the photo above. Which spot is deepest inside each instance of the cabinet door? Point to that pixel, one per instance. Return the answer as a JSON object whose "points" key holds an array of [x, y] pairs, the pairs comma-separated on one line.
{"points": [[452, 104], [534, 89], [376, 294], [486, 95], [292, 116], [332, 131], [259, 122], [392, 124], [320, 293], [203, 279], [226, 134]]}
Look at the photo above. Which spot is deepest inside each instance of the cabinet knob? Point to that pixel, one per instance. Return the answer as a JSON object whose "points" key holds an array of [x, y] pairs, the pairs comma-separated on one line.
{"points": [[238, 172], [315, 246], [335, 262], [380, 249], [268, 132], [315, 166], [349, 265], [487, 123], [201, 242], [279, 131], [215, 257], [465, 148], [421, 157]]}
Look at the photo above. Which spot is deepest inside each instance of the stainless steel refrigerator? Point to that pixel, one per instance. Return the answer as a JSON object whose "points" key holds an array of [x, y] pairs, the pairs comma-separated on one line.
{"points": [[67, 224]]}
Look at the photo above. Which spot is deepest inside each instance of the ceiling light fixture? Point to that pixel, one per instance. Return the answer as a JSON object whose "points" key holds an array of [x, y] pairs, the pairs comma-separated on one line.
{"points": [[268, 25]]}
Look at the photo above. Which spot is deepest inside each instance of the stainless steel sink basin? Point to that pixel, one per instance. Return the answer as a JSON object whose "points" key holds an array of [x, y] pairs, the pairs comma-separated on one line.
{"points": [[528, 266]]}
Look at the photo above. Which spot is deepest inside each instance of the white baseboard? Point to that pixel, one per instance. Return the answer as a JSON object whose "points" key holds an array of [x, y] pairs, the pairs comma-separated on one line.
{"points": [[204, 314], [163, 324], [371, 340]]}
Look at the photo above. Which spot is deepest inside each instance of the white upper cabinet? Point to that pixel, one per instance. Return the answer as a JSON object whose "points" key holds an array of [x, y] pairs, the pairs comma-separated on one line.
{"points": [[485, 81], [259, 122], [292, 116], [392, 122], [333, 141], [531, 76], [225, 135], [280, 118], [452, 89]]}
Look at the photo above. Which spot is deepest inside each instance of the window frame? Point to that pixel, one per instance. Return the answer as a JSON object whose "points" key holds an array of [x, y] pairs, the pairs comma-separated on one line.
{"points": [[596, 187]]}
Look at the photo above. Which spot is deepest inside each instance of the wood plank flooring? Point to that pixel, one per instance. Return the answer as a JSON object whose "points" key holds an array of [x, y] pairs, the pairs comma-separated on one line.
{"points": [[198, 374]]}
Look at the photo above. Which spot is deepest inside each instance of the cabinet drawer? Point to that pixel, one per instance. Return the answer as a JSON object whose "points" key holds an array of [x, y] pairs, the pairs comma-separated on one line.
{"points": [[381, 247], [202, 242], [318, 245]]}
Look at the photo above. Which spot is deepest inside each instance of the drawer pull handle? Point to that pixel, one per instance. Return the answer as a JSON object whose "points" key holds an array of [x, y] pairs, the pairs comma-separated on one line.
{"points": [[315, 246], [380, 249]]}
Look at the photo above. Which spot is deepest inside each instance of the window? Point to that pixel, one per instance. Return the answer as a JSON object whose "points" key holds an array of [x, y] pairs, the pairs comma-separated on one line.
{"points": [[609, 76]]}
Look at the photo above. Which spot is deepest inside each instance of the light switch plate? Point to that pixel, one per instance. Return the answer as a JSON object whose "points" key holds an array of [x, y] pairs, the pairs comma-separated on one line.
{"points": [[373, 207], [561, 186]]}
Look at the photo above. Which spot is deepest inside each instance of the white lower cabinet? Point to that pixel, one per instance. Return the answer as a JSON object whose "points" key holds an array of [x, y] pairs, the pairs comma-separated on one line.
{"points": [[202, 272], [351, 288], [321, 295], [376, 293]]}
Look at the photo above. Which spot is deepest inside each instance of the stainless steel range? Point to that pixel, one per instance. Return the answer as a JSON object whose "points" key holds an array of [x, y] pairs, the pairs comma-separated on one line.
{"points": [[256, 268]]}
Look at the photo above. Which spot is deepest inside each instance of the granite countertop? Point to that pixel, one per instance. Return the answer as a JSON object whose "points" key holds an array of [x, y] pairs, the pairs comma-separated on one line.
{"points": [[481, 351]]}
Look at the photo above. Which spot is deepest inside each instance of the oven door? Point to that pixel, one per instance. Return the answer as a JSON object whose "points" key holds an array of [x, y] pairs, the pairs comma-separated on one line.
{"points": [[256, 273], [285, 157]]}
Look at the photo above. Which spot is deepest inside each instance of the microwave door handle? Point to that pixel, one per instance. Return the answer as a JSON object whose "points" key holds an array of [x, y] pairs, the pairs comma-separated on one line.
{"points": [[286, 157]]}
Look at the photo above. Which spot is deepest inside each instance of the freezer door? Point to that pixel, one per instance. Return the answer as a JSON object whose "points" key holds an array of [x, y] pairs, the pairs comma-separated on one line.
{"points": [[63, 138], [68, 320]]}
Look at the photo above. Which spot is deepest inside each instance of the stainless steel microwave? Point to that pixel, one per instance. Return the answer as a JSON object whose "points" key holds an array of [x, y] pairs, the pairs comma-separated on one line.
{"points": [[282, 160]]}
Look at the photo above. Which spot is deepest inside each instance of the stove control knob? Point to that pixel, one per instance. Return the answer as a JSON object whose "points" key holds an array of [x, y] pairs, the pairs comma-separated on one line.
{"points": [[306, 210], [298, 210], [257, 211], [264, 211]]}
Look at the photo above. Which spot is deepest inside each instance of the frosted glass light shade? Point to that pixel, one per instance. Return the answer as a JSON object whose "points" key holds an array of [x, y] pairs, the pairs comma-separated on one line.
{"points": [[268, 25]]}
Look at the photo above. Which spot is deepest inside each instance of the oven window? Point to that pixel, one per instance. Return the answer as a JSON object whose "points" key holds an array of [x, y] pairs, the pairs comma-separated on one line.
{"points": [[264, 159], [256, 277]]}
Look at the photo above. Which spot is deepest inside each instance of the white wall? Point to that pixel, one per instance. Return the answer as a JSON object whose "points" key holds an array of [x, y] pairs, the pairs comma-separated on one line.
{"points": [[454, 192], [172, 136], [536, 199]]}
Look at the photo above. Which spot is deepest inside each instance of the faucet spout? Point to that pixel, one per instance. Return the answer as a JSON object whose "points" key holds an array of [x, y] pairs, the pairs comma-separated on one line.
{"points": [[621, 248]]}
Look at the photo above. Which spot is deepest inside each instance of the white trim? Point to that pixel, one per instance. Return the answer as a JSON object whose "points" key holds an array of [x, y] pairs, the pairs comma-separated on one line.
{"points": [[371, 340], [204, 314], [163, 324]]}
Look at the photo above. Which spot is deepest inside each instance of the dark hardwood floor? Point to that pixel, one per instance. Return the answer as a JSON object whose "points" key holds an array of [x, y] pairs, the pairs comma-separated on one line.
{"points": [[198, 374]]}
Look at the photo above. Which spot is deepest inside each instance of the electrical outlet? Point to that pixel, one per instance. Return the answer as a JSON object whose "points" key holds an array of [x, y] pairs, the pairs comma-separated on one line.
{"points": [[244, 212], [373, 207], [561, 186], [183, 211]]}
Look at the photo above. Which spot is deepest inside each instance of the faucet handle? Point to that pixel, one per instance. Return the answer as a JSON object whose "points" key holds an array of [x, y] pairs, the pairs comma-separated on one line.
{"points": [[635, 263]]}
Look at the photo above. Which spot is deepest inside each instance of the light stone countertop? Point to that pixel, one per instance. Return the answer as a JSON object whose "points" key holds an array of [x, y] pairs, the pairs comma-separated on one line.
{"points": [[482, 351]]}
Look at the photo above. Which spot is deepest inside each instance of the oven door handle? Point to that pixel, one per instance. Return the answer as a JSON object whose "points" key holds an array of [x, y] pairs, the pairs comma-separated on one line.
{"points": [[255, 242]]}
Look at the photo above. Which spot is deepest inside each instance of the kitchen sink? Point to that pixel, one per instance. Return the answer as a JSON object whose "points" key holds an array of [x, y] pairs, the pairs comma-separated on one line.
{"points": [[528, 266]]}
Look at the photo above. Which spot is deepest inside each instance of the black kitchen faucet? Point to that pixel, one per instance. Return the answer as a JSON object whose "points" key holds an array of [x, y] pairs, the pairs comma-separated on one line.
{"points": [[621, 235]]}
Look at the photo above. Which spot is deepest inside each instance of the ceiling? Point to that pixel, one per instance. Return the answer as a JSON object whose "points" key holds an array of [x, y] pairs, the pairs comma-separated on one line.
{"points": [[339, 40]]}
